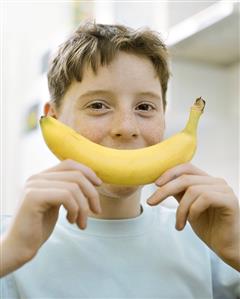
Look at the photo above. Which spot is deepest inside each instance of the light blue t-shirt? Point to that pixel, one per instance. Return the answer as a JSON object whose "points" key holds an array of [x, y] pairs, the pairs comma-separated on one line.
{"points": [[142, 257]]}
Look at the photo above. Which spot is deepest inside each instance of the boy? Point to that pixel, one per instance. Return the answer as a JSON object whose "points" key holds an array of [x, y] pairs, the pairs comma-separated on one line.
{"points": [[109, 83]]}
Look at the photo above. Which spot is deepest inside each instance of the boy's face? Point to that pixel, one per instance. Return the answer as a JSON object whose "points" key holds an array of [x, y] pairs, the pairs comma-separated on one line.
{"points": [[120, 107]]}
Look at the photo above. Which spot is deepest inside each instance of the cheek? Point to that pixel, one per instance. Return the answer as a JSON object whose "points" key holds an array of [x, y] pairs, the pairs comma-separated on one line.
{"points": [[93, 130], [153, 133]]}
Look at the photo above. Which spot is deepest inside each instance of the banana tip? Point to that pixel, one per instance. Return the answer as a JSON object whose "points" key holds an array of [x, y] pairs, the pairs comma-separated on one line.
{"points": [[199, 104]]}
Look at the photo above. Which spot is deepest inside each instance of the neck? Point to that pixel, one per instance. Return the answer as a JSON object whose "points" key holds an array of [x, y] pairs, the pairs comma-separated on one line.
{"points": [[119, 207]]}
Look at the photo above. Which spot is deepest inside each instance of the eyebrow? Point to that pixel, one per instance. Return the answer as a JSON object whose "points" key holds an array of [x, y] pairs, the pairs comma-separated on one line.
{"points": [[95, 93], [98, 92], [149, 94]]}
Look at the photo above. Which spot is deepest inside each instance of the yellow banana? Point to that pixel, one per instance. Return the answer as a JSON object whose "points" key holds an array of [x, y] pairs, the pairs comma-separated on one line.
{"points": [[124, 167]]}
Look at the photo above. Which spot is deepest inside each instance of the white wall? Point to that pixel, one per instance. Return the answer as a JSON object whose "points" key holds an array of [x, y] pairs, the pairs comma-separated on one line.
{"points": [[219, 125], [153, 14], [28, 30], [180, 10]]}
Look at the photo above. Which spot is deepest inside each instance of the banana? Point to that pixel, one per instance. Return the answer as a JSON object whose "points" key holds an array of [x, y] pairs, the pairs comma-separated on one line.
{"points": [[124, 167]]}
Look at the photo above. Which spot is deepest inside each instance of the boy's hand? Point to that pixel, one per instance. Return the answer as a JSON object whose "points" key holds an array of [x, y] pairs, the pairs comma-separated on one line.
{"points": [[69, 184], [210, 206]]}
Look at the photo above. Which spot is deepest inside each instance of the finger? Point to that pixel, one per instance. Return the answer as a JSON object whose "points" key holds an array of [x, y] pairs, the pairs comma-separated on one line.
{"points": [[82, 219], [83, 212], [175, 172], [73, 165], [180, 184], [205, 201], [191, 194], [77, 195], [84, 184], [53, 197]]}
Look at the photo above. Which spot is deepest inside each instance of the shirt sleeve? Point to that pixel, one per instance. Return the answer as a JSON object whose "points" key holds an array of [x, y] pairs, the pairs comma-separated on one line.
{"points": [[8, 288], [225, 279]]}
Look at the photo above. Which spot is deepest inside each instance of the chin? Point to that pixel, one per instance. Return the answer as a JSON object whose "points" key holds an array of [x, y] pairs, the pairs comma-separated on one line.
{"points": [[118, 191]]}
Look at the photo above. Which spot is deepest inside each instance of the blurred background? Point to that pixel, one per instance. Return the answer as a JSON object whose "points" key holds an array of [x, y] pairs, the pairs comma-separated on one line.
{"points": [[203, 39]]}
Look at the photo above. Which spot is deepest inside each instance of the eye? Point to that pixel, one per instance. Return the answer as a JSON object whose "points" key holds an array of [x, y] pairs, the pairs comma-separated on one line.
{"points": [[146, 107], [97, 106]]}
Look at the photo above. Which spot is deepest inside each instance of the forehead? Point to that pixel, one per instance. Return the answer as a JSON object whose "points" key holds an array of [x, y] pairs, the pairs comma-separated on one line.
{"points": [[126, 71]]}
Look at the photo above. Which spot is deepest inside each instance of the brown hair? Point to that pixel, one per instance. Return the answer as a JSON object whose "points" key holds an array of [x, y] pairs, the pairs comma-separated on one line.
{"points": [[97, 44]]}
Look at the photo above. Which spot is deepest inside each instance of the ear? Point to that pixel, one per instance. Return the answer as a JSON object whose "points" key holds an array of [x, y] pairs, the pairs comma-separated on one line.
{"points": [[50, 110]]}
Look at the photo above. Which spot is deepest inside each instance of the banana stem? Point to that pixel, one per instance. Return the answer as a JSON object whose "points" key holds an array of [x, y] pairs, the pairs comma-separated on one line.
{"points": [[195, 113]]}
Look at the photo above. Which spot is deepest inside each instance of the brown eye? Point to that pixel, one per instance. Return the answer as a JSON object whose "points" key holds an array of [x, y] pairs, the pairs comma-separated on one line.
{"points": [[97, 106], [145, 107]]}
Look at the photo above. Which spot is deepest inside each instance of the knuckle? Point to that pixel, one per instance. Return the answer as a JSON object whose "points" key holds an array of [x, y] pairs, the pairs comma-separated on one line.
{"points": [[184, 178], [30, 198], [205, 196], [78, 173], [74, 207], [33, 182], [191, 190], [78, 177], [81, 178], [28, 193], [74, 187], [68, 200]]}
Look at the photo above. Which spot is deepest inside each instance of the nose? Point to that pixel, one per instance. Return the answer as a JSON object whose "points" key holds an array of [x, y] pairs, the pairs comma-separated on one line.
{"points": [[124, 126]]}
